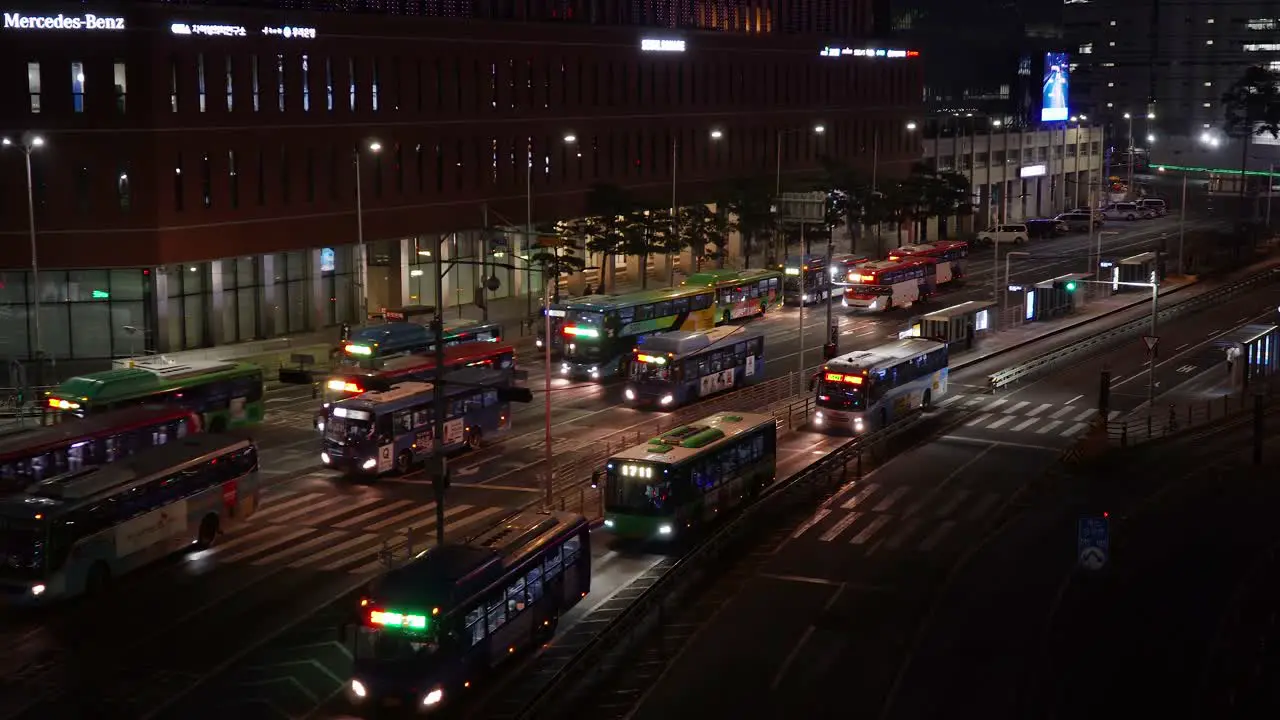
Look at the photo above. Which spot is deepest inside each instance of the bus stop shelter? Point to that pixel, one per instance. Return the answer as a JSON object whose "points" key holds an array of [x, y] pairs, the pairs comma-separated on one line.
{"points": [[1141, 268], [1251, 351], [959, 326]]}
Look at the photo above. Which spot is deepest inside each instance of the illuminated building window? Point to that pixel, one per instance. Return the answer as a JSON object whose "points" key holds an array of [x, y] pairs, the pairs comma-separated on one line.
{"points": [[206, 181], [306, 85], [280, 82], [1262, 24], [1086, 49], [200, 81], [233, 179], [33, 85], [77, 86], [230, 85], [253, 81], [1208, 42], [178, 190], [121, 85]]}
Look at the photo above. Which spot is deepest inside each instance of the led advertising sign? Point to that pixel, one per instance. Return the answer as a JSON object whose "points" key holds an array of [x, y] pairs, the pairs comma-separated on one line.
{"points": [[830, 51], [1028, 171], [1053, 96], [656, 45], [87, 21], [218, 30]]}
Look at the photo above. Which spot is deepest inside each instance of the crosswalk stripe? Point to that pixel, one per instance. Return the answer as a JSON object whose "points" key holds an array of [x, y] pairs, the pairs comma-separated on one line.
{"points": [[1074, 430], [949, 400], [893, 497], [979, 511], [255, 549], [870, 530], [804, 527], [1039, 410], [340, 501], [895, 541], [937, 535], [372, 550], [1023, 425], [839, 527], [1084, 415], [256, 534], [1002, 421], [994, 405], [477, 517], [1113, 415], [1064, 411], [1017, 407], [953, 503], [1048, 426], [425, 509], [334, 550], [856, 500], [978, 419], [344, 508], [349, 522], [287, 506], [292, 550]]}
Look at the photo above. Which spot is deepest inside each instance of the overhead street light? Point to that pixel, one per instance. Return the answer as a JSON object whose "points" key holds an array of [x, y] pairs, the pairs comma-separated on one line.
{"points": [[27, 143], [362, 264]]}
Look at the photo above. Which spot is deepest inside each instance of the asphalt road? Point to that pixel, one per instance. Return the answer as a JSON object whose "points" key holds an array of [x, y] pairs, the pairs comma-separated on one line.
{"points": [[172, 626]]}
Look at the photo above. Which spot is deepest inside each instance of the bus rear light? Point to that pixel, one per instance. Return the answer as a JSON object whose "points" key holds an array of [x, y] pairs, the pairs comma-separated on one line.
{"points": [[582, 332], [344, 386]]}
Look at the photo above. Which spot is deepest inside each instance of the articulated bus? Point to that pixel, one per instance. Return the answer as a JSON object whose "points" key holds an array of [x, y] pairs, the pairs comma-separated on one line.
{"points": [[868, 389], [674, 368], [808, 279], [740, 293], [689, 475], [431, 629], [369, 346], [886, 284], [842, 265], [349, 382], [225, 394], [100, 439], [392, 430], [600, 331], [77, 532], [944, 251]]}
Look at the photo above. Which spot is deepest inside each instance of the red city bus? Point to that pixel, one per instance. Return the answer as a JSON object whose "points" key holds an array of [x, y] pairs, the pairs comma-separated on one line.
{"points": [[842, 265], [954, 251], [351, 381], [98, 439], [886, 284]]}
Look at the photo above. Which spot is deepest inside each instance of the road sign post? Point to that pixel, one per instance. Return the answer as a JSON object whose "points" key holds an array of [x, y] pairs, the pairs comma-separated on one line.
{"points": [[1152, 342], [1093, 542]]}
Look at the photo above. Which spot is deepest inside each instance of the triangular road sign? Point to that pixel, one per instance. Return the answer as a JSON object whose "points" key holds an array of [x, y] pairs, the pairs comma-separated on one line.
{"points": [[1151, 341]]}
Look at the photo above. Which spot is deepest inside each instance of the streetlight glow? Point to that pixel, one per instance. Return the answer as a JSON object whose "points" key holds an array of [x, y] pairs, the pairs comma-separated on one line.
{"points": [[1127, 116], [375, 146], [911, 126], [37, 141], [716, 134], [819, 129], [1151, 116], [6, 142], [1151, 138], [571, 138], [996, 123]]}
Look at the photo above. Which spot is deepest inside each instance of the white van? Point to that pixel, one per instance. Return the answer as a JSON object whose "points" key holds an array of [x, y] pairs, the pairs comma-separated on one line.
{"points": [[1155, 205]]}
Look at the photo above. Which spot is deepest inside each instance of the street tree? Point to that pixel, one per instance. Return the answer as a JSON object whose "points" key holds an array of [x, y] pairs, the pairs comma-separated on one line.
{"points": [[1251, 108], [605, 230], [750, 201]]}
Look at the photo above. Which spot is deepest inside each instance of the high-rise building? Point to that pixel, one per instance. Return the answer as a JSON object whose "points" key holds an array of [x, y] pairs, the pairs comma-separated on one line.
{"points": [[199, 163]]}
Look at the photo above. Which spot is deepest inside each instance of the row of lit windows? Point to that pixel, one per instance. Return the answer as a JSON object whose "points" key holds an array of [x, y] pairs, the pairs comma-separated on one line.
{"points": [[289, 174], [283, 82]]}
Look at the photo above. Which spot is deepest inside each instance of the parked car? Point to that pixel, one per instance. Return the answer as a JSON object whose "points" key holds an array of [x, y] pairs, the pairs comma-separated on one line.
{"points": [[1155, 205], [1016, 234], [1078, 220], [1127, 211], [1044, 228]]}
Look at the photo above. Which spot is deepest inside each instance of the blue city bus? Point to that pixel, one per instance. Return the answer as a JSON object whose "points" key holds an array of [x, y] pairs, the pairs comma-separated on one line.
{"points": [[368, 346], [75, 533], [867, 390], [806, 279], [433, 628], [675, 368], [391, 430]]}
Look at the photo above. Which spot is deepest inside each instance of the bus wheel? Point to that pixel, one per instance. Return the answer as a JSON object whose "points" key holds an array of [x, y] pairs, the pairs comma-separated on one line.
{"points": [[404, 462], [98, 581], [208, 532], [927, 401], [475, 439]]}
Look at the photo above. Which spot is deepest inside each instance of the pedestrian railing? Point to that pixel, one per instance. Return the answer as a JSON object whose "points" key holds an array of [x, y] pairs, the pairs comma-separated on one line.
{"points": [[1173, 418]]}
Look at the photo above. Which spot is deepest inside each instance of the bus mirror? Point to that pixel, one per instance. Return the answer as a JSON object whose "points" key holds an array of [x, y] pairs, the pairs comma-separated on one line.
{"points": [[295, 376], [595, 479]]}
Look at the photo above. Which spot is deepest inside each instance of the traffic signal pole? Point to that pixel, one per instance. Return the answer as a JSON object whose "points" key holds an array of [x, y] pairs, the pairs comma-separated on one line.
{"points": [[438, 464]]}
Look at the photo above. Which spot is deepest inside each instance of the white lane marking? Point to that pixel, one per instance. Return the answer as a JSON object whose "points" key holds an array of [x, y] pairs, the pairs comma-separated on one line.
{"points": [[1048, 426], [1113, 415], [349, 522], [1039, 410], [1000, 422], [870, 530], [978, 419], [856, 500], [1074, 399], [817, 518], [894, 496], [994, 405], [1074, 430], [1023, 425], [1084, 415], [1017, 407], [839, 527], [1063, 411]]}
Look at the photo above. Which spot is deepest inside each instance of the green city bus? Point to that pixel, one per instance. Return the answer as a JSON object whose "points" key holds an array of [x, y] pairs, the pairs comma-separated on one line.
{"points": [[689, 475], [600, 331], [740, 293], [225, 394]]}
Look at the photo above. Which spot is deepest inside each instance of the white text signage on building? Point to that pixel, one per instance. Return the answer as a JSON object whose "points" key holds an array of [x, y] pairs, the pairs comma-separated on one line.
{"points": [[87, 21], [1028, 171], [658, 45], [220, 30], [830, 51]]}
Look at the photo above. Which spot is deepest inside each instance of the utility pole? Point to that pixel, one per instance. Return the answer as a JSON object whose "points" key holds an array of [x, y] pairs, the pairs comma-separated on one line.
{"points": [[1182, 227], [549, 472], [438, 463], [833, 335]]}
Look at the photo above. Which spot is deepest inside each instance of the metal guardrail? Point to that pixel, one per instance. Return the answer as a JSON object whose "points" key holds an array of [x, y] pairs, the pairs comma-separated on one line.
{"points": [[1055, 358], [591, 662], [1216, 412]]}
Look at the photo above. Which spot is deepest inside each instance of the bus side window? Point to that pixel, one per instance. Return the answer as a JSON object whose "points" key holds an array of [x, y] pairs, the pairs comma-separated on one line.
{"points": [[552, 563], [754, 291], [644, 312], [491, 398], [474, 623], [571, 547], [703, 301], [402, 421], [681, 305], [664, 309], [497, 614], [422, 417], [533, 581], [515, 597]]}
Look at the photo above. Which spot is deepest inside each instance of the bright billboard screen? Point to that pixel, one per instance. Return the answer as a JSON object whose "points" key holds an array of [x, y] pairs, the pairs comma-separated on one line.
{"points": [[1053, 95]]}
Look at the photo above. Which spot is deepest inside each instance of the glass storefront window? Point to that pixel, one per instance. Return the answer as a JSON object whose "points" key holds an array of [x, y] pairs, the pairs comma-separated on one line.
{"points": [[128, 285], [88, 286]]}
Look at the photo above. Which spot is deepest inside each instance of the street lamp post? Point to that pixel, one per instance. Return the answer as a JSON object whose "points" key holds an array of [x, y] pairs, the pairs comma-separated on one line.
{"points": [[362, 270], [27, 143]]}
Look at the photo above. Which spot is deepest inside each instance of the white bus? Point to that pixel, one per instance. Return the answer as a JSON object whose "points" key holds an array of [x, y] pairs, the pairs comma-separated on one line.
{"points": [[887, 284], [77, 532], [868, 389]]}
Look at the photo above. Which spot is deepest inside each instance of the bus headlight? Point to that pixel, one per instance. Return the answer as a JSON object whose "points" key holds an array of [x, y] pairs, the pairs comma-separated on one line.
{"points": [[804, 298], [324, 458], [631, 395], [817, 418], [37, 590], [873, 304], [844, 302], [538, 342], [857, 424], [664, 529], [358, 689], [369, 464], [320, 425], [667, 399], [564, 368], [433, 697], [595, 373], [608, 522]]}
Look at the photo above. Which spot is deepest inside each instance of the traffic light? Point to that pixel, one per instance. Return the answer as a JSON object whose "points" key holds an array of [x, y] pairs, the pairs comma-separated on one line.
{"points": [[1071, 286]]}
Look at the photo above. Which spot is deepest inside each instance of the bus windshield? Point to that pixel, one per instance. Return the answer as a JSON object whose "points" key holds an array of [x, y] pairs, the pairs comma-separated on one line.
{"points": [[384, 646], [22, 545], [650, 372], [641, 496], [348, 430], [585, 317], [841, 395]]}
